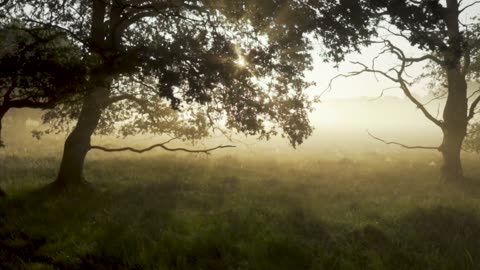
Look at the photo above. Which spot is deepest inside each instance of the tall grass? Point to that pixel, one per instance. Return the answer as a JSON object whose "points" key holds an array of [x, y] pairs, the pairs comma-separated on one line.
{"points": [[184, 212]]}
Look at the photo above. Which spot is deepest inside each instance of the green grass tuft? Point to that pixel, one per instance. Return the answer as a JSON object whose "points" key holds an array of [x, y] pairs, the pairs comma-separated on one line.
{"points": [[178, 212]]}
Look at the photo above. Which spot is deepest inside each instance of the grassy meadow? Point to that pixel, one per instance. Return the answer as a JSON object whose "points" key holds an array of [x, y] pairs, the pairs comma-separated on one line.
{"points": [[226, 212]]}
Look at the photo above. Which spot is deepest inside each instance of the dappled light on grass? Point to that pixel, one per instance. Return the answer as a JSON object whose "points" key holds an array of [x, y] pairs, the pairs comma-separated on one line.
{"points": [[176, 212]]}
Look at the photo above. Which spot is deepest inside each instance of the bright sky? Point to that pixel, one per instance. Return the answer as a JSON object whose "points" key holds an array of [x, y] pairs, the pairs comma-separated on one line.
{"points": [[367, 85], [393, 119]]}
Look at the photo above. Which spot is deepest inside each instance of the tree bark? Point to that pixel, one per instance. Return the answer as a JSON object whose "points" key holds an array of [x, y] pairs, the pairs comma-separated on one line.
{"points": [[3, 111], [455, 126], [455, 114], [77, 145]]}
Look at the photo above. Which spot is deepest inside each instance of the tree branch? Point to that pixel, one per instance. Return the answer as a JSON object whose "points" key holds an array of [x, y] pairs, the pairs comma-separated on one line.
{"points": [[403, 145], [404, 85], [160, 145], [423, 58], [468, 6], [399, 79], [442, 96], [61, 28], [422, 108], [26, 103], [126, 97], [474, 105], [383, 91]]}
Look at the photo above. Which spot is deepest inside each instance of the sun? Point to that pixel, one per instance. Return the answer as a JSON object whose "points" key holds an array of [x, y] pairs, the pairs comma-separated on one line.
{"points": [[241, 61]]}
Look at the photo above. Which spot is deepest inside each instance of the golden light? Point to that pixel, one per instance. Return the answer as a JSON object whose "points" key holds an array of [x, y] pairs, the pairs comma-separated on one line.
{"points": [[241, 61]]}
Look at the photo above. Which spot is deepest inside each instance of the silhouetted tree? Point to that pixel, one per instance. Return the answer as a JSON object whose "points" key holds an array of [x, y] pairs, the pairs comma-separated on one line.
{"points": [[240, 63], [38, 69], [230, 57], [452, 46]]}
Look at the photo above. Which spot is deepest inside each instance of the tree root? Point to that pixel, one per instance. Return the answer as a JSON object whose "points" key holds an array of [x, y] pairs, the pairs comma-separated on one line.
{"points": [[60, 186]]}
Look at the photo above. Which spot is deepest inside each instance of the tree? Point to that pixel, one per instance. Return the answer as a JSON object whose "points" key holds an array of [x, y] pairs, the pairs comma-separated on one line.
{"points": [[37, 68], [229, 59], [448, 44]]}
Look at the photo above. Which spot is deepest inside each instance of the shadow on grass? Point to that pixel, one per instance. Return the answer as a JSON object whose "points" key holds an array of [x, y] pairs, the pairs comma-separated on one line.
{"points": [[33, 221], [158, 226], [436, 238]]}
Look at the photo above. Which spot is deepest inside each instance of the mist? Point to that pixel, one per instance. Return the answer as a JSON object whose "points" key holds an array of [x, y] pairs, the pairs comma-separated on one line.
{"points": [[239, 135]]}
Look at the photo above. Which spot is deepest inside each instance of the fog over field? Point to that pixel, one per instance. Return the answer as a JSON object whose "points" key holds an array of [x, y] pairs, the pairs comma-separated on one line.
{"points": [[240, 135], [341, 125]]}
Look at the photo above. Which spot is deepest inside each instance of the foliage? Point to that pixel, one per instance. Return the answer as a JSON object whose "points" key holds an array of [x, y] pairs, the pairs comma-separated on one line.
{"points": [[37, 67], [236, 64], [188, 53]]}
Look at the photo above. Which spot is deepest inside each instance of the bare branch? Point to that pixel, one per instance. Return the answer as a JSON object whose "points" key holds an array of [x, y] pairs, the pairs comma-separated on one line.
{"points": [[403, 145], [405, 89], [474, 105], [474, 93], [423, 58], [468, 6], [442, 96], [409, 60], [383, 91], [400, 34], [419, 105], [160, 145], [368, 70], [404, 85], [399, 70]]}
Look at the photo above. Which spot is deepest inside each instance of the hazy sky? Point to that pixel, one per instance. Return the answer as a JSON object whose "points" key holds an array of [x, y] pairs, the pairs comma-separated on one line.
{"points": [[367, 85], [328, 113], [346, 112]]}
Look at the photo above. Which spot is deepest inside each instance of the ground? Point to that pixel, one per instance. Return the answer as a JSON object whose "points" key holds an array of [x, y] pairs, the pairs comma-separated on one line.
{"points": [[225, 212]]}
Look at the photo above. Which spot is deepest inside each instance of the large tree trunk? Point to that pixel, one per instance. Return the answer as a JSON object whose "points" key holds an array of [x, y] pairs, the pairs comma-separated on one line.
{"points": [[77, 145], [455, 115], [3, 111], [451, 150], [455, 126]]}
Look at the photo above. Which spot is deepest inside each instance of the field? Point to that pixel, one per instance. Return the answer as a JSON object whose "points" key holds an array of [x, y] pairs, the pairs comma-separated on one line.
{"points": [[226, 212]]}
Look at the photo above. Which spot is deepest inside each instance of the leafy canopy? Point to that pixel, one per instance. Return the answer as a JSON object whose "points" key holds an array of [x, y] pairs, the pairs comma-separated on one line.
{"points": [[238, 64]]}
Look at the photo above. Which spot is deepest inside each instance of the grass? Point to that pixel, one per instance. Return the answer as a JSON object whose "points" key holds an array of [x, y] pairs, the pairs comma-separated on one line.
{"points": [[183, 212]]}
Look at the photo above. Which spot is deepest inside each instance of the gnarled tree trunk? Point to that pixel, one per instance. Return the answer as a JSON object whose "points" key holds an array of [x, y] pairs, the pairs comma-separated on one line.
{"points": [[77, 145], [455, 115], [451, 150], [455, 126]]}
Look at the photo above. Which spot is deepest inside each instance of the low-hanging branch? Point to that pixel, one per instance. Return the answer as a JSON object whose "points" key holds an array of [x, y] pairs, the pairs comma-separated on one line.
{"points": [[159, 145], [403, 145], [397, 77]]}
